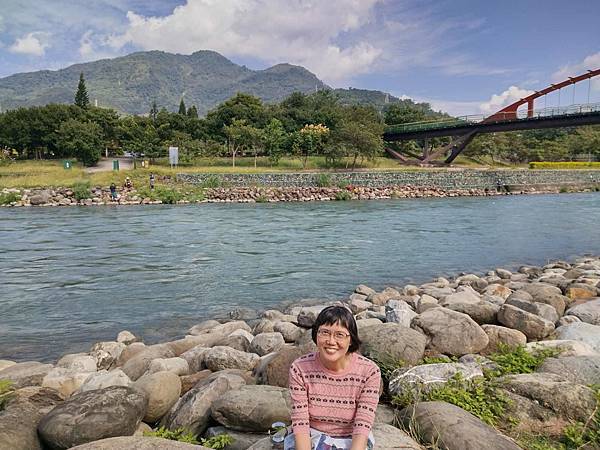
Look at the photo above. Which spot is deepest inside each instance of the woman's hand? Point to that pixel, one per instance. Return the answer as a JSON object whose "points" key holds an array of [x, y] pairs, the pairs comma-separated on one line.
{"points": [[359, 442], [303, 441]]}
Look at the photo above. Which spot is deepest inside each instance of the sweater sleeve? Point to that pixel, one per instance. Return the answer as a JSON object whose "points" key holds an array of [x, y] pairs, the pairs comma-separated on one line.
{"points": [[299, 394], [367, 402]]}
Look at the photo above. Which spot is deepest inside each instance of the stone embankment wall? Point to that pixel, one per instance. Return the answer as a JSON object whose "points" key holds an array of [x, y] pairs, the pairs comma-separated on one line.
{"points": [[441, 179]]}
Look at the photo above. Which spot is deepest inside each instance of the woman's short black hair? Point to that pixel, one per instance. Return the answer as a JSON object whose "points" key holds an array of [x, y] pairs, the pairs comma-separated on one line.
{"points": [[342, 316]]}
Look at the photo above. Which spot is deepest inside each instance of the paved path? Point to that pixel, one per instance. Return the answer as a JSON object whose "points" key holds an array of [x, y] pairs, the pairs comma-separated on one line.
{"points": [[106, 164]]}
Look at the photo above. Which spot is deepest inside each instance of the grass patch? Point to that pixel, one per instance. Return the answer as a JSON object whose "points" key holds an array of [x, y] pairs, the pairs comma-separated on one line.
{"points": [[212, 182], [343, 196], [81, 190], [512, 360], [564, 165], [9, 197], [323, 180]]}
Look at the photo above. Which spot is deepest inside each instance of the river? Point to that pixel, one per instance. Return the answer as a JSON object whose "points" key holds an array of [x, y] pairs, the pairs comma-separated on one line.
{"points": [[70, 277]]}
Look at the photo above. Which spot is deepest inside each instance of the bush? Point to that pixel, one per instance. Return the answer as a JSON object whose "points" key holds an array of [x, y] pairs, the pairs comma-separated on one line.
{"points": [[212, 181], [519, 360], [81, 190], [9, 197], [168, 196], [343, 196], [219, 441], [179, 434], [262, 198], [563, 165], [323, 180]]}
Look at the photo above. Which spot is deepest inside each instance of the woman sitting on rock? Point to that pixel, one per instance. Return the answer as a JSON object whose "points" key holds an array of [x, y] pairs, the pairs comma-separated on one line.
{"points": [[335, 391]]}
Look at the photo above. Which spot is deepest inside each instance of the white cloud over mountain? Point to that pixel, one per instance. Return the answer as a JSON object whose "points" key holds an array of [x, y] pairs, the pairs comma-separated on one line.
{"points": [[33, 44]]}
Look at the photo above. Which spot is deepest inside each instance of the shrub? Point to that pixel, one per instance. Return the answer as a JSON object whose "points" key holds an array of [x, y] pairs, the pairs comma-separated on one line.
{"points": [[519, 360], [212, 181], [6, 390], [262, 198], [563, 189], [343, 196], [323, 180], [81, 190], [179, 434], [9, 197], [219, 441], [168, 196]]}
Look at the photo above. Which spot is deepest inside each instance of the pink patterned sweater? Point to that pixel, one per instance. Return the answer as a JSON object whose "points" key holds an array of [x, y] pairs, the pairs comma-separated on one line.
{"points": [[337, 404]]}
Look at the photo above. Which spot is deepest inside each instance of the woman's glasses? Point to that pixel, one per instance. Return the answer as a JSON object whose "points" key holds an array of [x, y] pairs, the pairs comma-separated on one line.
{"points": [[337, 335]]}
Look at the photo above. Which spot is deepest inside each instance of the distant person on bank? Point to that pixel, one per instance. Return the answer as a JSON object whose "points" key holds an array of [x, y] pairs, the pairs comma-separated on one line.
{"points": [[113, 192], [335, 391], [151, 181], [128, 183]]}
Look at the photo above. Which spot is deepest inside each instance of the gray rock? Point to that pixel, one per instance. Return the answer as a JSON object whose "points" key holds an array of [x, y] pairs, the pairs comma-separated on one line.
{"points": [[162, 390], [534, 327], [263, 326], [129, 352], [219, 358], [588, 312], [253, 408], [412, 381], [450, 332], [104, 379], [392, 341], [203, 327], [482, 312], [65, 381], [577, 369], [381, 298], [265, 343], [289, 331], [398, 311], [460, 297], [177, 365], [106, 354], [499, 336], [241, 441], [192, 411], [498, 290], [566, 320], [237, 342], [41, 198], [568, 399], [4, 363], [357, 305], [277, 369], [307, 314], [126, 337], [242, 313], [566, 347], [539, 309], [81, 362], [579, 331], [546, 293], [30, 373], [18, 427], [452, 428], [138, 443], [504, 274], [364, 290], [388, 437], [93, 415], [385, 414]]}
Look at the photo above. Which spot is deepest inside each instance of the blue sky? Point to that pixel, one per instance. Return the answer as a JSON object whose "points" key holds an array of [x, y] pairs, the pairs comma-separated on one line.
{"points": [[463, 56]]}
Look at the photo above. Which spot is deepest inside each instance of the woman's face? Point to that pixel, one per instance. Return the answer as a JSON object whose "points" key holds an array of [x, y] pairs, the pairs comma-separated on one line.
{"points": [[333, 342]]}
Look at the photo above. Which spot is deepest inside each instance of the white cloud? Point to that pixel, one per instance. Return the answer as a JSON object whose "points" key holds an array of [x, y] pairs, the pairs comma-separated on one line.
{"points": [[303, 32], [85, 44], [590, 62], [31, 44], [499, 101]]}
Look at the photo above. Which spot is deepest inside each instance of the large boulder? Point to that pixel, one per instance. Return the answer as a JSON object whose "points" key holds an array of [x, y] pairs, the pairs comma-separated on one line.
{"points": [[588, 312], [577, 369], [481, 312], [65, 381], [564, 347], [265, 343], [570, 400], [30, 373], [129, 352], [409, 382], [81, 362], [452, 428], [388, 437], [18, 427], [546, 293], [189, 381], [192, 411], [288, 330], [219, 358], [103, 379], [276, 370], [539, 309], [93, 415], [177, 365], [306, 315], [501, 336], [393, 341], [138, 443], [253, 408], [40, 198], [579, 331], [398, 311], [533, 326], [162, 390], [195, 357], [224, 329], [106, 354], [450, 332], [467, 296], [138, 365], [581, 291]]}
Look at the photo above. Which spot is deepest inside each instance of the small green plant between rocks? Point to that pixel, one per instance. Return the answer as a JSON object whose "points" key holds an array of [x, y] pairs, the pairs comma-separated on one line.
{"points": [[9, 197], [179, 434], [343, 196], [324, 180], [6, 391], [586, 435], [212, 182], [511, 360], [81, 190], [219, 441]]}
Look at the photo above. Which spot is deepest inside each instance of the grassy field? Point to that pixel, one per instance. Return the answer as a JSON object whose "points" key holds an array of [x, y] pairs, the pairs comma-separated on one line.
{"points": [[50, 173]]}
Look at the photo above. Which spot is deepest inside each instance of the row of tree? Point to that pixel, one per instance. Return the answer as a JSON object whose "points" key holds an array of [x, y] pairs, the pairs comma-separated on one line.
{"points": [[301, 125]]}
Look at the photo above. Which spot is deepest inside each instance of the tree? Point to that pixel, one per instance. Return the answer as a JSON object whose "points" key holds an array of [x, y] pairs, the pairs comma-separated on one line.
{"points": [[81, 97], [182, 109], [239, 107], [192, 112], [153, 111], [81, 139], [311, 140], [274, 137], [360, 133], [239, 136]]}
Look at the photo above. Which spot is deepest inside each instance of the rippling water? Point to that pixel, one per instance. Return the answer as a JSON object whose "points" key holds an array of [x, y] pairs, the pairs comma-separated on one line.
{"points": [[70, 277]]}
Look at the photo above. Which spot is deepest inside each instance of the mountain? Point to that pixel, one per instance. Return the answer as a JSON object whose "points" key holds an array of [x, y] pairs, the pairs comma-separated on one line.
{"points": [[131, 83]]}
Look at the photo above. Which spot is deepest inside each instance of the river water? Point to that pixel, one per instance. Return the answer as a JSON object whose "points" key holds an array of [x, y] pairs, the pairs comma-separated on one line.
{"points": [[70, 277]]}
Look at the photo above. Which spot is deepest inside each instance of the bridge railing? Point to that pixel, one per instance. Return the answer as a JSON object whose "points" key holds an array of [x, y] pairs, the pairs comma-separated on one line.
{"points": [[453, 122]]}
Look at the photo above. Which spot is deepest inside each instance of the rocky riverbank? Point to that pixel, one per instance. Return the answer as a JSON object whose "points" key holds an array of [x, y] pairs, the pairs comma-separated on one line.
{"points": [[99, 195], [525, 345]]}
